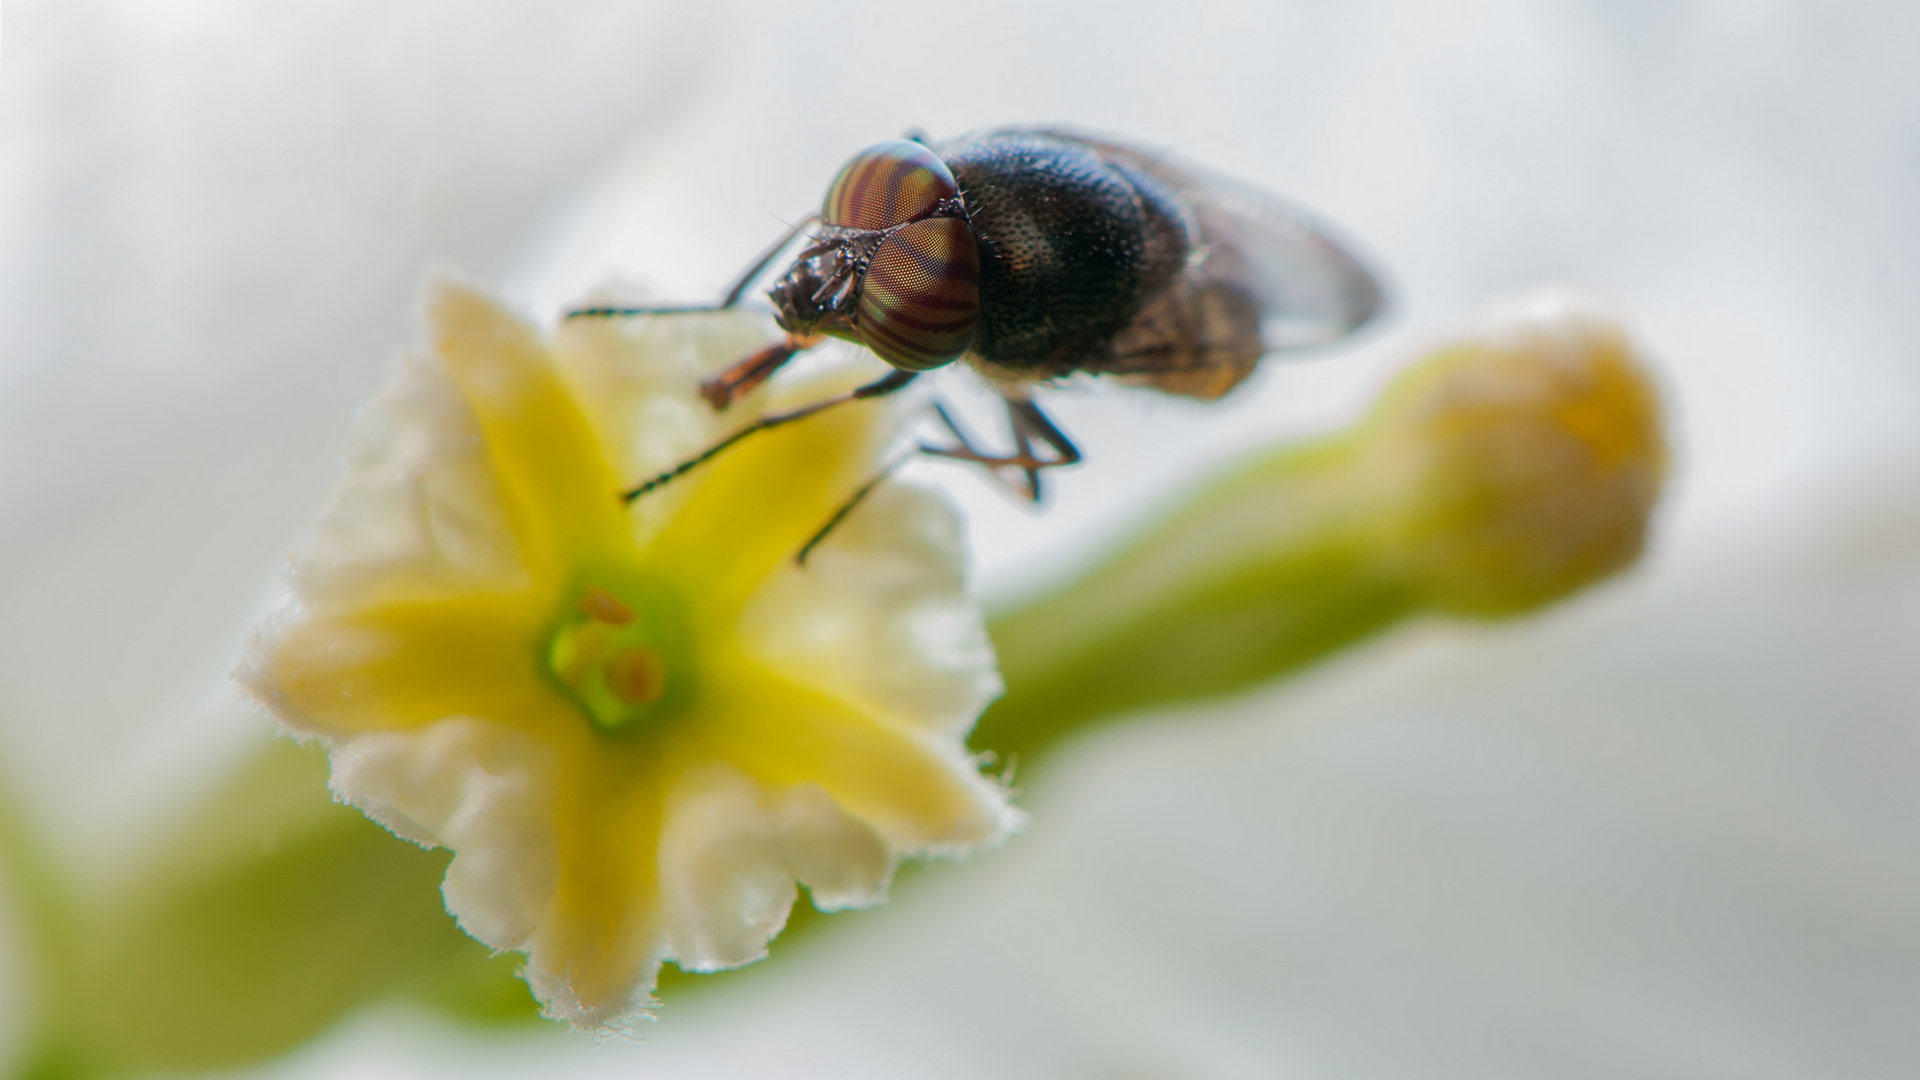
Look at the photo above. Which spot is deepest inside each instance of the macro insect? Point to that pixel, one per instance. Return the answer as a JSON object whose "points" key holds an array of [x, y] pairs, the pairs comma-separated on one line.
{"points": [[1036, 254]]}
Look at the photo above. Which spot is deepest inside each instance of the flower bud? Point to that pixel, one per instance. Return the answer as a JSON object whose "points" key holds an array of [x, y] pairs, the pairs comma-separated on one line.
{"points": [[1504, 470], [1529, 456]]}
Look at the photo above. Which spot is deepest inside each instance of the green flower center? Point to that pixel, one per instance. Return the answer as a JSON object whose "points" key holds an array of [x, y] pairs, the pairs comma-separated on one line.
{"points": [[622, 655]]}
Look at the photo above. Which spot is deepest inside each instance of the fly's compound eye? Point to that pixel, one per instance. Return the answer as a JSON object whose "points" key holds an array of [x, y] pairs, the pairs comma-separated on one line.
{"points": [[888, 185], [921, 294]]}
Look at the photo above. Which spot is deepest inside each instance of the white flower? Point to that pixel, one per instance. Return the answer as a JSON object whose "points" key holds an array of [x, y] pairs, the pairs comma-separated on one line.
{"points": [[636, 728]]}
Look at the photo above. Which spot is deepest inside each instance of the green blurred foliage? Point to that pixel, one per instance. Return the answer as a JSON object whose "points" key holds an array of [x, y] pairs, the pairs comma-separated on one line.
{"points": [[276, 912]]}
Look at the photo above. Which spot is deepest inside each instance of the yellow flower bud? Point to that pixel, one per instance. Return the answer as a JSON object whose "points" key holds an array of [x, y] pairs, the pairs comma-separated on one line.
{"points": [[1527, 456]]}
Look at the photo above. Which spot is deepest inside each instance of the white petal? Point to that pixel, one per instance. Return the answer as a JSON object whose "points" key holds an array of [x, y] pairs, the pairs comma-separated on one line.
{"points": [[638, 380], [880, 615], [731, 851], [482, 789], [419, 508]]}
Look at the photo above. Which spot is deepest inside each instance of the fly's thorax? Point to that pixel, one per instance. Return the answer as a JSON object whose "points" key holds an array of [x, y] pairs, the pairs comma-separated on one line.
{"points": [[1070, 245]]}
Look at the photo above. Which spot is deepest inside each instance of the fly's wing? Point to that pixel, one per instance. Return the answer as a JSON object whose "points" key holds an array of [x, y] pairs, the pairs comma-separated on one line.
{"points": [[1265, 277]]}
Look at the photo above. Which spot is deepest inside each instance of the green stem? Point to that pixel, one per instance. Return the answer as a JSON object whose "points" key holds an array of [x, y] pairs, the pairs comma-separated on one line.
{"points": [[1258, 574]]}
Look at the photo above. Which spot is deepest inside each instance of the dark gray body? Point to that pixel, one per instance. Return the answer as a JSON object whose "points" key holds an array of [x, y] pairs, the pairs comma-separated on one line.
{"points": [[1072, 246]]}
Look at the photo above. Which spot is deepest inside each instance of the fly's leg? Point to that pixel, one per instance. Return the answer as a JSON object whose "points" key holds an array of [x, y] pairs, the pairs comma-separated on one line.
{"points": [[881, 387], [731, 298], [721, 390], [1028, 420], [742, 376], [1029, 491], [859, 496], [1023, 447], [1029, 424], [767, 258], [860, 493]]}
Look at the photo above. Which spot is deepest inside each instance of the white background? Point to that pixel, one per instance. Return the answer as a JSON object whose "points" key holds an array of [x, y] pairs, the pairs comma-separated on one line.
{"points": [[1669, 830]]}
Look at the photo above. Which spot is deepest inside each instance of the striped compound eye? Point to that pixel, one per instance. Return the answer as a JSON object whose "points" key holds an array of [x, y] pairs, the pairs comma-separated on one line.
{"points": [[887, 185], [921, 294]]}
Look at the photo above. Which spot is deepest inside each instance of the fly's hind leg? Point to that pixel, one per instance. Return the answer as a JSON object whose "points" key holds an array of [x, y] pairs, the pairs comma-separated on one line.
{"points": [[1029, 491], [1030, 426], [1028, 420], [1023, 447]]}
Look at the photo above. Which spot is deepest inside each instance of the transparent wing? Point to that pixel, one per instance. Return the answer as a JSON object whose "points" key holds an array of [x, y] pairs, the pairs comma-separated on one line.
{"points": [[1310, 286]]}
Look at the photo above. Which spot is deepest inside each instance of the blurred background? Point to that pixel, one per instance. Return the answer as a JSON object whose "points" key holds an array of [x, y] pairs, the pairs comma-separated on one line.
{"points": [[1670, 829]]}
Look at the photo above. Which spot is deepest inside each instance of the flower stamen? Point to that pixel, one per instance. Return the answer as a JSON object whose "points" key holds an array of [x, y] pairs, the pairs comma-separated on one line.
{"points": [[637, 676], [604, 606], [612, 658]]}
